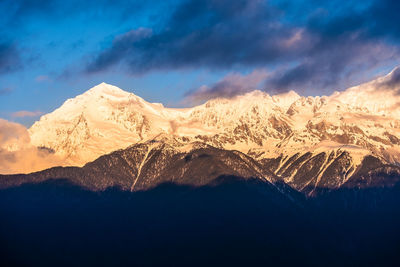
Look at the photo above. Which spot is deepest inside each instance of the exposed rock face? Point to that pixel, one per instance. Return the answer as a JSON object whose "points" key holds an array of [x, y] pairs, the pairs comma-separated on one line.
{"points": [[146, 165], [315, 173], [106, 118], [311, 144]]}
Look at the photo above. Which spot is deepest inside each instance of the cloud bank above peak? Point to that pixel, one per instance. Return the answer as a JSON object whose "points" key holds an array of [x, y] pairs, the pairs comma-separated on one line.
{"points": [[229, 86], [164, 49], [322, 49]]}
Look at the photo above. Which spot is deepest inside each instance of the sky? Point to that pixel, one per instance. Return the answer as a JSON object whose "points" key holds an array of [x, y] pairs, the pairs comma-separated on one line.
{"points": [[184, 52]]}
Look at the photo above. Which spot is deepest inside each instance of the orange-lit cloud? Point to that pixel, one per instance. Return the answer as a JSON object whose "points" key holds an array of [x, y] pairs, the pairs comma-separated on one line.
{"points": [[18, 155], [25, 113]]}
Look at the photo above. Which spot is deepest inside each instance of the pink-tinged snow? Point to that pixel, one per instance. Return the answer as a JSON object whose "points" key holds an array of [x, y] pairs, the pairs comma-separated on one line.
{"points": [[106, 118]]}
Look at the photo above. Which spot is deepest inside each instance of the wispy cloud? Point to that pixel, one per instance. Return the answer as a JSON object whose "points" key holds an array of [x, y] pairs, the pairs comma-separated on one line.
{"points": [[25, 113], [231, 85], [6, 90], [42, 78]]}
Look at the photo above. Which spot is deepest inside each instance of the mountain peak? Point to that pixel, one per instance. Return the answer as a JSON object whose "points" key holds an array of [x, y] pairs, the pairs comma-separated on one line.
{"points": [[106, 118], [103, 89], [284, 100], [290, 94]]}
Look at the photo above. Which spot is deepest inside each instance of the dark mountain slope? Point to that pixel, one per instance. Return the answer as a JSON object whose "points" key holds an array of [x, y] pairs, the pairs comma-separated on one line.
{"points": [[144, 166]]}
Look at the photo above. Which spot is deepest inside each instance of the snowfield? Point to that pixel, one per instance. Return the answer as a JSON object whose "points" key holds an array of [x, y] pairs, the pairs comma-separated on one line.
{"points": [[361, 120]]}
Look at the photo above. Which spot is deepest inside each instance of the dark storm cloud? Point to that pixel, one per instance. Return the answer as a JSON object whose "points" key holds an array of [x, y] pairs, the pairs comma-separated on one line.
{"points": [[9, 57], [334, 65], [18, 11], [324, 47], [350, 41], [17, 17], [230, 86], [215, 34], [309, 44], [381, 19], [121, 47]]}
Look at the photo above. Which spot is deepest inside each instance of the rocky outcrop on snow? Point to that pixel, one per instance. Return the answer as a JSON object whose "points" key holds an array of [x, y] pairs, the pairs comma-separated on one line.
{"points": [[362, 120]]}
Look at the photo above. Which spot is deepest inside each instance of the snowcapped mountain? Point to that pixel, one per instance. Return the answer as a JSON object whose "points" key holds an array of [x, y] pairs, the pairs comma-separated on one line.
{"points": [[351, 138], [146, 165], [361, 120]]}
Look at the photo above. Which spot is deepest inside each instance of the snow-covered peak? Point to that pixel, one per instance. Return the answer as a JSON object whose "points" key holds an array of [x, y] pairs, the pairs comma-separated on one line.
{"points": [[104, 89], [379, 96], [285, 100], [107, 118]]}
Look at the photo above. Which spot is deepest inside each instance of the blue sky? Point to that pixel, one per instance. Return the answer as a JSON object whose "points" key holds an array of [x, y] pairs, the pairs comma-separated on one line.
{"points": [[164, 51]]}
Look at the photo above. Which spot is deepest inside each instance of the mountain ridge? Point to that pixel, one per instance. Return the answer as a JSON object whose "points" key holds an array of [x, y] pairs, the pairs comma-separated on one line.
{"points": [[106, 118], [309, 144], [144, 166]]}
